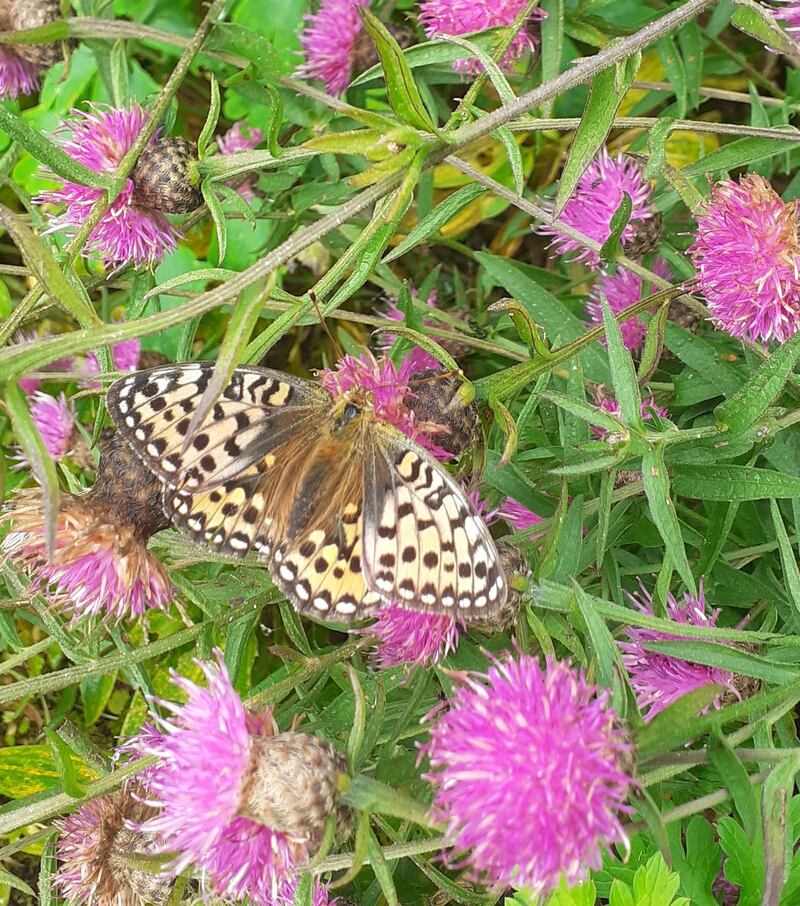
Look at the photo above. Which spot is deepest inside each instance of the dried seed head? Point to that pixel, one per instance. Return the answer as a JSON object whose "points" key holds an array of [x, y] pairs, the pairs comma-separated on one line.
{"points": [[292, 784], [32, 14], [515, 565], [128, 491], [434, 398], [92, 848], [646, 237], [161, 177]]}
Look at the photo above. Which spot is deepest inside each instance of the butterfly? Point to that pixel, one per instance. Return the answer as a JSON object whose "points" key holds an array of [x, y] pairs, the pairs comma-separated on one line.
{"points": [[347, 512]]}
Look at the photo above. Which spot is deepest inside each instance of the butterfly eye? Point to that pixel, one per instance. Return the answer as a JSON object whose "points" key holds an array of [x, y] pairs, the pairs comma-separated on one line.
{"points": [[350, 412]]}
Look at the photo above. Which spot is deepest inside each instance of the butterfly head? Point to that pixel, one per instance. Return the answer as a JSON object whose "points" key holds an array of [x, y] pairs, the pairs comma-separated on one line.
{"points": [[353, 404]]}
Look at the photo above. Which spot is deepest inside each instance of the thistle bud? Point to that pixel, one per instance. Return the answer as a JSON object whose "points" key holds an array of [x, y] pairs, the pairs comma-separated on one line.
{"points": [[435, 399], [161, 177], [33, 14]]}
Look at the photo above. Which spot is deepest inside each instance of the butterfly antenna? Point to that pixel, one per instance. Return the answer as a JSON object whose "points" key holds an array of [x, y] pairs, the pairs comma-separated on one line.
{"points": [[336, 347]]}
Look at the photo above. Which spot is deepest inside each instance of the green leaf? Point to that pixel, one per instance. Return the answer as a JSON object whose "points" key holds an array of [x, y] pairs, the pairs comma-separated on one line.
{"points": [[742, 152], [214, 206], [754, 20], [237, 41], [657, 490], [506, 136], [95, 693], [778, 843], [381, 869], [623, 373], [736, 780], [606, 653], [552, 46], [605, 95], [594, 415], [791, 573], [690, 41], [438, 217], [368, 795], [673, 716], [612, 247], [752, 399], [724, 657], [675, 73], [64, 760], [404, 96], [731, 483], [212, 118], [15, 883], [118, 62]]}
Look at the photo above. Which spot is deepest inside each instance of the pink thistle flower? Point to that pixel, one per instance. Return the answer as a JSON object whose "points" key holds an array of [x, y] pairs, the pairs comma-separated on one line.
{"points": [[527, 772], [609, 403], [127, 232], [387, 386], [622, 289], [237, 139], [413, 637], [517, 515], [320, 895], [460, 17], [17, 75], [596, 198], [55, 421], [329, 43], [223, 779], [91, 847], [125, 355], [748, 260], [660, 679], [787, 12]]}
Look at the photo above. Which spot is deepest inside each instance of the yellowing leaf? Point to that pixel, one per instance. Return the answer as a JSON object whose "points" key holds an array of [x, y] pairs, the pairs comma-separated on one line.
{"points": [[25, 770]]}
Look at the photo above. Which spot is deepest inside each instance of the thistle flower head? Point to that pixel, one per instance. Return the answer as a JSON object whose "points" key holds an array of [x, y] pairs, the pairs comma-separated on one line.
{"points": [[17, 75], [609, 403], [413, 636], [127, 232], [329, 43], [434, 396], [787, 12], [242, 802], [101, 565], [125, 355], [622, 289], [91, 848], [459, 17], [387, 386], [599, 193], [526, 767], [517, 515], [747, 256], [660, 679], [320, 895]]}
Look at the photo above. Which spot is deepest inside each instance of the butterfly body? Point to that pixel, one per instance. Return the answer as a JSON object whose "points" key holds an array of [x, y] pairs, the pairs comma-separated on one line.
{"points": [[347, 512]]}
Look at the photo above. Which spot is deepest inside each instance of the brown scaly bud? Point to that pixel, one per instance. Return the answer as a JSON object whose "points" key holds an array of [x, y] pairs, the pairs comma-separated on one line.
{"points": [[517, 568], [161, 177], [92, 849], [24, 14], [293, 784], [647, 236], [100, 565], [434, 398]]}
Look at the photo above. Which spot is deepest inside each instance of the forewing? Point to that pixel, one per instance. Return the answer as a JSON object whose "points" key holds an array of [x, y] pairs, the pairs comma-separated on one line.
{"points": [[424, 545], [258, 411]]}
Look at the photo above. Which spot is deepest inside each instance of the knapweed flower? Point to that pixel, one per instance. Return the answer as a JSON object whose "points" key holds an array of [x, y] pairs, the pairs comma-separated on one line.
{"points": [[241, 801], [92, 846], [527, 770], [100, 565], [660, 679], [609, 403], [17, 75], [598, 195], [413, 636], [21, 64], [787, 12], [622, 289], [128, 231], [320, 895], [517, 515], [460, 17], [55, 422], [125, 356], [241, 137], [747, 256], [388, 386], [330, 42]]}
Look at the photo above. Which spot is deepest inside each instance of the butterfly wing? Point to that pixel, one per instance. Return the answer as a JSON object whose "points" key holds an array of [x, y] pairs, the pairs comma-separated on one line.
{"points": [[258, 411], [424, 546]]}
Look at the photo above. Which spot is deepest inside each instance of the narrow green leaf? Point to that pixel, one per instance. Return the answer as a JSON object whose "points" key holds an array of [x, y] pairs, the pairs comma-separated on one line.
{"points": [[15, 883], [369, 795], [657, 146], [605, 650], [47, 871], [95, 693], [791, 573], [229, 38], [754, 20], [231, 352], [733, 483], [604, 513], [674, 716], [552, 46], [653, 345], [752, 399], [212, 118], [605, 95], [649, 810], [493, 71], [214, 206], [64, 761], [736, 780], [506, 136], [586, 411], [36, 453], [778, 789], [612, 247], [355, 743], [623, 373], [675, 73], [118, 62], [657, 490], [404, 96], [725, 657], [202, 275], [381, 868], [742, 152], [438, 217], [690, 41]]}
